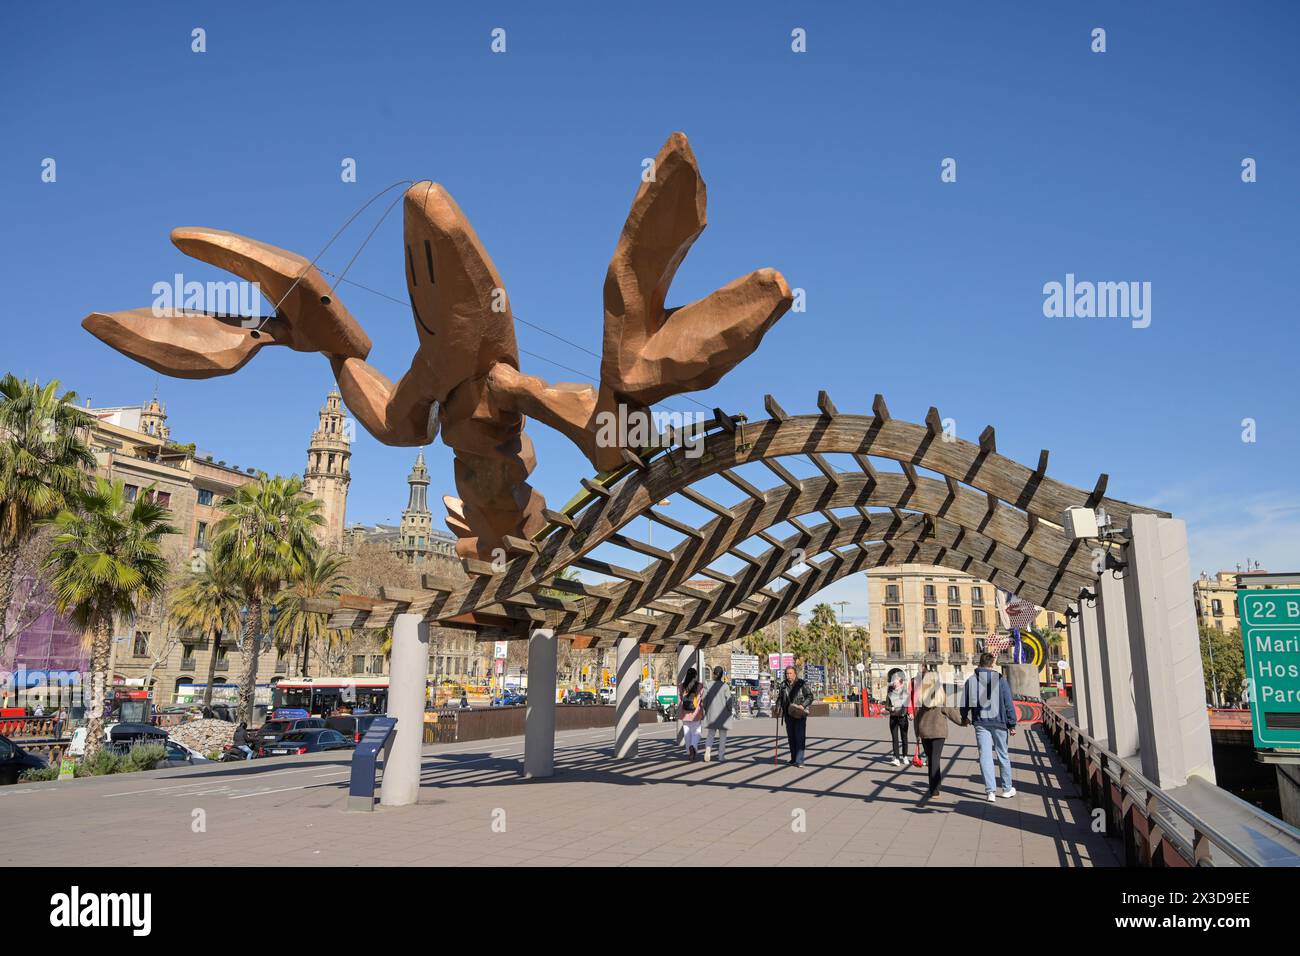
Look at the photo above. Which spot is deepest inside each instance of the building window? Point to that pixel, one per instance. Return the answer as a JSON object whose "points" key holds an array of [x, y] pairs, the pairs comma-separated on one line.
{"points": [[1218, 607], [163, 499], [954, 615], [893, 617], [931, 617], [929, 594], [932, 645], [358, 663], [954, 594], [954, 645], [187, 657], [131, 491], [201, 535], [891, 593], [895, 646], [205, 497], [140, 647], [377, 664], [977, 595], [977, 618], [979, 645]]}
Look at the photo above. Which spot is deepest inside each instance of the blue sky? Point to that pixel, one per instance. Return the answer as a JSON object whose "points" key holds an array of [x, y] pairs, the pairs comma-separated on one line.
{"points": [[1115, 166]]}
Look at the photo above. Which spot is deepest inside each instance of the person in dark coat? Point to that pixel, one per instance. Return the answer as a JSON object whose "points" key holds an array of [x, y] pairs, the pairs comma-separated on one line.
{"points": [[794, 698]]}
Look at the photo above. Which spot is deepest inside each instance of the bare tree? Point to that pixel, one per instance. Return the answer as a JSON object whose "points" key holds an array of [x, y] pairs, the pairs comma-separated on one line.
{"points": [[31, 597]]}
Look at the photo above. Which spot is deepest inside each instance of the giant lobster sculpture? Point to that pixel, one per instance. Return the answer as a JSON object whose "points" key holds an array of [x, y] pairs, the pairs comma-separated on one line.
{"points": [[464, 379]]}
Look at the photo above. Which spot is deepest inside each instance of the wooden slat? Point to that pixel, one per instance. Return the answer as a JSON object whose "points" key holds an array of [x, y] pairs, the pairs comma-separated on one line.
{"points": [[742, 484], [773, 409], [783, 473], [826, 406]]}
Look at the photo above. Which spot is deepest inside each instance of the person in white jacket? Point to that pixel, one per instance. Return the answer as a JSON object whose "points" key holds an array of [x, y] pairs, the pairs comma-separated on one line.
{"points": [[717, 715]]}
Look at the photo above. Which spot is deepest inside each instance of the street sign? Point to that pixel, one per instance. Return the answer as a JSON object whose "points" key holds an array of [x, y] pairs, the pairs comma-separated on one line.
{"points": [[778, 662], [744, 667], [1270, 634], [501, 651], [815, 674]]}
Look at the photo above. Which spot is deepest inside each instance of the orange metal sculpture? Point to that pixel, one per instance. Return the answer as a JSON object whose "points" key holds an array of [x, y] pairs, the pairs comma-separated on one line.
{"points": [[464, 378]]}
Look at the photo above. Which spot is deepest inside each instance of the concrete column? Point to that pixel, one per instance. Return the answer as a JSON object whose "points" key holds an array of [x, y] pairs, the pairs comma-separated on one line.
{"points": [[1078, 673], [688, 656], [1164, 647], [408, 669], [627, 698], [1116, 667], [1090, 655], [539, 721]]}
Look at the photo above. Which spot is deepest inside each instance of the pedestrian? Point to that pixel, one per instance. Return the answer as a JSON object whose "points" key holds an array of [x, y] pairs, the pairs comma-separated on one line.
{"points": [[932, 714], [794, 698], [897, 703], [987, 704], [691, 711], [39, 711], [717, 715]]}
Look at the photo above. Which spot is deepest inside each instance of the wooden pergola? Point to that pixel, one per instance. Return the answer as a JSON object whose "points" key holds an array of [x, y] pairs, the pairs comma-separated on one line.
{"points": [[986, 514]]}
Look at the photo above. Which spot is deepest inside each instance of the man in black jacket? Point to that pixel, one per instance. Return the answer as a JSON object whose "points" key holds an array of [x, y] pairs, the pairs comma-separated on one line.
{"points": [[794, 695]]}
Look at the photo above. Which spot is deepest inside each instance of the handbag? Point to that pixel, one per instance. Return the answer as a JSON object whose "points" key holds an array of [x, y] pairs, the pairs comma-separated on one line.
{"points": [[916, 757], [797, 711]]}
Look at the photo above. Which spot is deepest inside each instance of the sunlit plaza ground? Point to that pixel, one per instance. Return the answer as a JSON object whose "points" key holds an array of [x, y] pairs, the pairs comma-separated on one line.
{"points": [[846, 806]]}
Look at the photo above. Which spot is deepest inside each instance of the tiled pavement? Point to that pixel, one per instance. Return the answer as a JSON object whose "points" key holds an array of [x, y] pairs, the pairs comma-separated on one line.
{"points": [[846, 806]]}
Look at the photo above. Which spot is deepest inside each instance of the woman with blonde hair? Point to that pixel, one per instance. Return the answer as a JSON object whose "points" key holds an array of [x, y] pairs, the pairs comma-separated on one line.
{"points": [[932, 712]]}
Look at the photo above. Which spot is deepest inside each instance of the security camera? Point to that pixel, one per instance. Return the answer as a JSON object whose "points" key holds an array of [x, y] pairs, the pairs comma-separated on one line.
{"points": [[1081, 522]]}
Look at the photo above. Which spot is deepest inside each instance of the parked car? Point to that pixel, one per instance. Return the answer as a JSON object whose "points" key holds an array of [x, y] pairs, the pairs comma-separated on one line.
{"points": [[352, 725], [607, 695], [580, 697], [120, 736], [179, 755], [309, 741], [270, 732], [14, 761], [510, 699]]}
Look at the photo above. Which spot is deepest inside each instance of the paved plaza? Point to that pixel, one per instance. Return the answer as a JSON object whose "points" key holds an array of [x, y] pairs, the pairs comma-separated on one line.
{"points": [[846, 806]]}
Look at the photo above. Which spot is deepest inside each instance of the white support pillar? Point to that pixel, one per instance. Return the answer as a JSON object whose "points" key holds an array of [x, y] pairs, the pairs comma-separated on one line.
{"points": [[1090, 658], [1078, 673], [1164, 645], [539, 721], [688, 656], [408, 669], [1116, 667], [627, 698]]}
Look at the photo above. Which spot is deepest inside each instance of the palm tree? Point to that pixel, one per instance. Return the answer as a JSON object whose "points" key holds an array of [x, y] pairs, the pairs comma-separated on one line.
{"points": [[44, 466], [207, 606], [264, 535], [319, 576], [104, 560]]}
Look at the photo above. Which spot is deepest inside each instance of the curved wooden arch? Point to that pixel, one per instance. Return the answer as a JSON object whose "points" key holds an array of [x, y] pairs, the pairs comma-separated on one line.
{"points": [[989, 512]]}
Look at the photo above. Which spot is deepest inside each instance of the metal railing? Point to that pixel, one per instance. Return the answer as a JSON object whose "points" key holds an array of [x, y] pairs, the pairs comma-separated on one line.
{"points": [[1156, 828]]}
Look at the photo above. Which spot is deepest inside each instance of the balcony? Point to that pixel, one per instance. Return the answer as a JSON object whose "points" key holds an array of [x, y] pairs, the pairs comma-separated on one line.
{"points": [[931, 627], [187, 663]]}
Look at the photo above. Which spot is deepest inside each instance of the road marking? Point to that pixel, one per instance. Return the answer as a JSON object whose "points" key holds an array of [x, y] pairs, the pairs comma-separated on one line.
{"points": [[263, 793]]}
